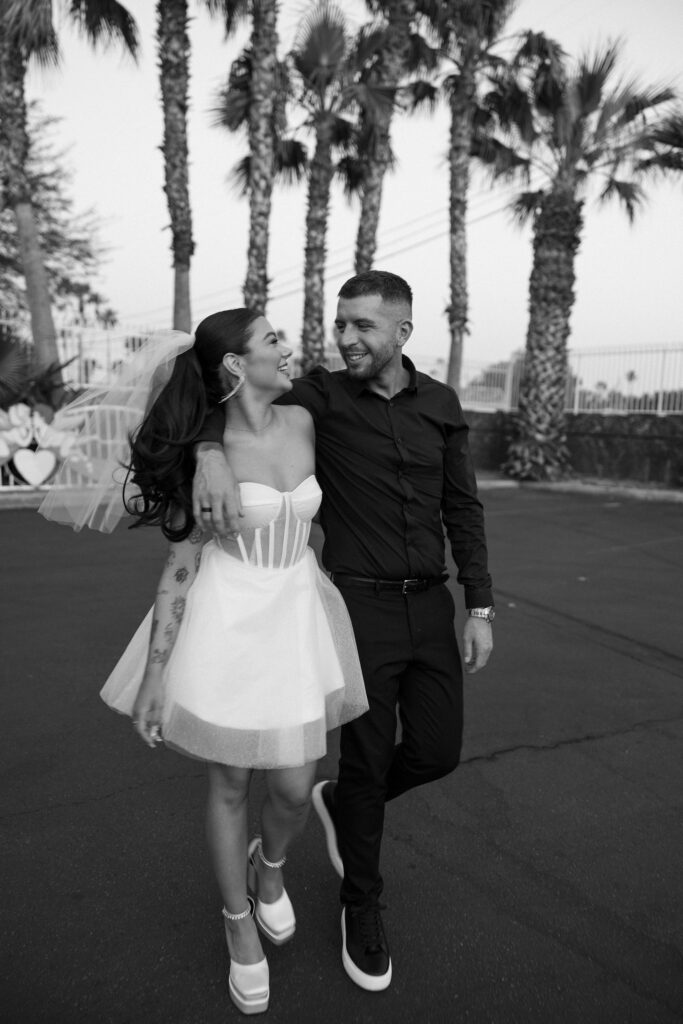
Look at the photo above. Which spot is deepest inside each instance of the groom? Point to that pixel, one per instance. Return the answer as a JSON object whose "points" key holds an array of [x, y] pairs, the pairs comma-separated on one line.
{"points": [[393, 462]]}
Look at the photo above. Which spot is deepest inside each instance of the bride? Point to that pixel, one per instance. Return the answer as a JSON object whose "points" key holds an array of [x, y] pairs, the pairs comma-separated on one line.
{"points": [[247, 658]]}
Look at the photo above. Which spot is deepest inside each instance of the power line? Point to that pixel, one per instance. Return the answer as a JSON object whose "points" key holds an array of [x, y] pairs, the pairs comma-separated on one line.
{"points": [[480, 199], [396, 252]]}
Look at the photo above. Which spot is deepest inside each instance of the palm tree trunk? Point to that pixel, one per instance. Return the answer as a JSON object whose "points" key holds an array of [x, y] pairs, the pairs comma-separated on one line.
{"points": [[394, 63], [174, 51], [461, 101], [261, 146], [539, 451], [371, 199], [319, 185], [14, 146]]}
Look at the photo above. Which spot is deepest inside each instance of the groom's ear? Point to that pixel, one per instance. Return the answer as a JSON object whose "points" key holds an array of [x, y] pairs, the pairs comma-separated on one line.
{"points": [[404, 331]]}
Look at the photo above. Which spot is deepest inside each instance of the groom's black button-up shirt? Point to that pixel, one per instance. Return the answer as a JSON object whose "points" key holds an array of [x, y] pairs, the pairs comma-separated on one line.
{"points": [[393, 474]]}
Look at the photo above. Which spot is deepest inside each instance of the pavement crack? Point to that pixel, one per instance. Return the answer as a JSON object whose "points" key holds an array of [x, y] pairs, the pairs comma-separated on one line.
{"points": [[595, 934], [594, 737]]}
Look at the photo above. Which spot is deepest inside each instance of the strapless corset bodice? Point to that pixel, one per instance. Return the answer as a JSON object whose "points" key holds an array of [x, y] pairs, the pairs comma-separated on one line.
{"points": [[276, 524]]}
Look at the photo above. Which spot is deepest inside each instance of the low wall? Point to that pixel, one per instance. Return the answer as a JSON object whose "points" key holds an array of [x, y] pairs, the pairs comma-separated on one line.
{"points": [[637, 446]]}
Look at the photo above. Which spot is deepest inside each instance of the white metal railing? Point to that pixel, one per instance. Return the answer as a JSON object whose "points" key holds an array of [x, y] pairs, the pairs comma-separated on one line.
{"points": [[605, 381]]}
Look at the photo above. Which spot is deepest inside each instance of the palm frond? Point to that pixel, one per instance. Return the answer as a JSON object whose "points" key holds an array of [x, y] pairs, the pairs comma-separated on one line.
{"points": [[422, 57], [231, 110], [510, 104], [501, 160], [593, 73], [231, 11], [374, 100], [31, 28], [644, 101], [537, 48], [420, 95], [320, 45], [342, 131], [350, 170], [14, 367], [664, 147], [291, 160], [239, 176], [368, 43], [526, 205], [106, 22], [630, 194]]}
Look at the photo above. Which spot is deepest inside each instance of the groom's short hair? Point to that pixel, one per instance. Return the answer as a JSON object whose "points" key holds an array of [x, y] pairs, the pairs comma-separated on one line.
{"points": [[390, 287]]}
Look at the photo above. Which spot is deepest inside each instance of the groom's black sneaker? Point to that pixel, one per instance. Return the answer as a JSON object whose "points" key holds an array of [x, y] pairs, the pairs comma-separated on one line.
{"points": [[323, 802], [365, 953]]}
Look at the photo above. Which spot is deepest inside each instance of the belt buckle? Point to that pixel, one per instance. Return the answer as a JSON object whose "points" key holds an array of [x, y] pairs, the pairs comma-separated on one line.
{"points": [[410, 586]]}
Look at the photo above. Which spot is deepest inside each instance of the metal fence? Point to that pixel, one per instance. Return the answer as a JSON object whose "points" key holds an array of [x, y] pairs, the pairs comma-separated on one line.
{"points": [[604, 380], [608, 381]]}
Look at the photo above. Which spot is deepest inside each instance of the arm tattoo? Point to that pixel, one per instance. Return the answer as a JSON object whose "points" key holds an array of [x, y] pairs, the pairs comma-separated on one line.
{"points": [[181, 574], [159, 656], [178, 608]]}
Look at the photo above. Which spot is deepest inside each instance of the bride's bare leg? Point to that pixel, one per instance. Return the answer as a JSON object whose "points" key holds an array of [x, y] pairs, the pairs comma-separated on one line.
{"points": [[283, 816], [226, 834]]}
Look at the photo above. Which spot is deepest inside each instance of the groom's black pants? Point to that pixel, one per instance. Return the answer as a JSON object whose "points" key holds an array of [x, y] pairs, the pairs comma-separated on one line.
{"points": [[409, 656]]}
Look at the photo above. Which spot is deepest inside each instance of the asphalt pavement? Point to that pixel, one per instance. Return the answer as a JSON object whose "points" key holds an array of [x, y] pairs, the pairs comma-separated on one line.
{"points": [[539, 884]]}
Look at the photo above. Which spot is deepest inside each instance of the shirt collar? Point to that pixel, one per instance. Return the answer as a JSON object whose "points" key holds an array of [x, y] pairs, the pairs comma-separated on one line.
{"points": [[356, 387]]}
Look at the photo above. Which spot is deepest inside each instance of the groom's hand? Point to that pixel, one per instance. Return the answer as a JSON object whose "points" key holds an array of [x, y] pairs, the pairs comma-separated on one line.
{"points": [[477, 643], [215, 492]]}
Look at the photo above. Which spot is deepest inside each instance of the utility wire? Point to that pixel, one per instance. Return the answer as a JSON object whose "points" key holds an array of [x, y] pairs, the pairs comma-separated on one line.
{"points": [[479, 200]]}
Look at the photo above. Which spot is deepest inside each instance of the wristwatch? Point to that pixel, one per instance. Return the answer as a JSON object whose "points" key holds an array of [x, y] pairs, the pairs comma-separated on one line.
{"points": [[488, 614]]}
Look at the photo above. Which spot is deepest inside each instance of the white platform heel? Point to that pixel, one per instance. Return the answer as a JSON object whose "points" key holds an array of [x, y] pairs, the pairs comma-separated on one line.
{"points": [[276, 920], [249, 984]]}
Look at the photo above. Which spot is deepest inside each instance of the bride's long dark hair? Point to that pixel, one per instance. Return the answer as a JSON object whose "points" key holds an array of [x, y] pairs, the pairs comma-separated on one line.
{"points": [[162, 459]]}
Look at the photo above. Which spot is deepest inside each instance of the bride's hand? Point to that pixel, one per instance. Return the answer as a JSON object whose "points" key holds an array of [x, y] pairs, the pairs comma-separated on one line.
{"points": [[149, 708]]}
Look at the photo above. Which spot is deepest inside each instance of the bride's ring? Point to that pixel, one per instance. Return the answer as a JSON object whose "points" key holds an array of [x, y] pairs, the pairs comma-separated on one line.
{"points": [[205, 509]]}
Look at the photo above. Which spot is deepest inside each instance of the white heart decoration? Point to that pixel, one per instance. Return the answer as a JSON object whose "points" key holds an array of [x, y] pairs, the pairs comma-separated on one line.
{"points": [[35, 467]]}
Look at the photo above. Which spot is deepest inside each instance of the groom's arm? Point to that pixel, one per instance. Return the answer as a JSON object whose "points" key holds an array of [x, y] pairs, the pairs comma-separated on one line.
{"points": [[215, 491]]}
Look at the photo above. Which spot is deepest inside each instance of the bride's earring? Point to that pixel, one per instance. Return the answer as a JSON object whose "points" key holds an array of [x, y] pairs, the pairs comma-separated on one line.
{"points": [[240, 381], [234, 371]]}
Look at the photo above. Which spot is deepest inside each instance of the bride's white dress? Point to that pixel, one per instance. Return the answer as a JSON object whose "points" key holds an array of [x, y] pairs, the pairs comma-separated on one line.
{"points": [[265, 662]]}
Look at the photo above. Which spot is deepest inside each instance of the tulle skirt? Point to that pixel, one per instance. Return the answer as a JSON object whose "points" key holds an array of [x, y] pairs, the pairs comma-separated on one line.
{"points": [[263, 666]]}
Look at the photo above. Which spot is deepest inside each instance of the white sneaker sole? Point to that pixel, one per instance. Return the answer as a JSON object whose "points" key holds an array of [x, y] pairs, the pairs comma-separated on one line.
{"points": [[328, 826], [370, 982]]}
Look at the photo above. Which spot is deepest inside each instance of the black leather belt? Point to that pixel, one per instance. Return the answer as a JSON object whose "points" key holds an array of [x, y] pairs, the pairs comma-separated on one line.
{"points": [[403, 586]]}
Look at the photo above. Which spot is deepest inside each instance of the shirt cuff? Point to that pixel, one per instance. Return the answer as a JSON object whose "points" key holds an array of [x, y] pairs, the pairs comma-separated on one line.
{"points": [[478, 598]]}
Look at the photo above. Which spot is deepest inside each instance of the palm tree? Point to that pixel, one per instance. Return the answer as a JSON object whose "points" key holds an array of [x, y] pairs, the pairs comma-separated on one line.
{"points": [[174, 73], [328, 85], [232, 110], [27, 31], [174, 54], [257, 70], [581, 129], [392, 63], [470, 35]]}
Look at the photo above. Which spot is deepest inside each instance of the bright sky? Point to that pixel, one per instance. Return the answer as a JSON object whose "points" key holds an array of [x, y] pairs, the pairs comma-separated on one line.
{"points": [[629, 278]]}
